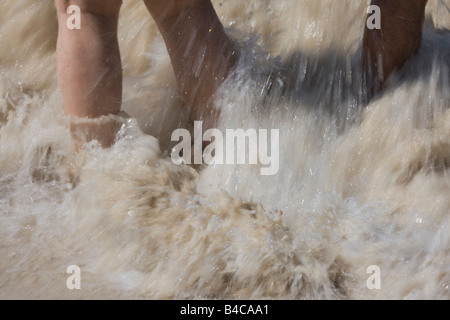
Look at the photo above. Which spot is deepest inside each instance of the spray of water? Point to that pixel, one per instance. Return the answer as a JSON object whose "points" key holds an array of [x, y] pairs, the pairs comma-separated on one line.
{"points": [[359, 184]]}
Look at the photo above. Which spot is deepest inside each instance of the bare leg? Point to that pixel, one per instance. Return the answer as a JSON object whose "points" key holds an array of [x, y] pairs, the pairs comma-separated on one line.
{"points": [[89, 65], [387, 49], [201, 53]]}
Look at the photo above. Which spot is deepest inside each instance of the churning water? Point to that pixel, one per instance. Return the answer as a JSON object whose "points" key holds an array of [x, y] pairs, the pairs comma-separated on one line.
{"points": [[359, 184]]}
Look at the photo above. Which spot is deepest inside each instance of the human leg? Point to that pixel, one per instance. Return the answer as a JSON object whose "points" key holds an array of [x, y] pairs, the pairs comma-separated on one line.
{"points": [[201, 53], [388, 48], [89, 64]]}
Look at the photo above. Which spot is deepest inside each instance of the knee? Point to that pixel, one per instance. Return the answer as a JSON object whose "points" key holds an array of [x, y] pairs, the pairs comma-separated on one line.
{"points": [[103, 8]]}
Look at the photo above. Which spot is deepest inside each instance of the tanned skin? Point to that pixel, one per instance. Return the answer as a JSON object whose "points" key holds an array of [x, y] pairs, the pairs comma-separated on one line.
{"points": [[387, 49]]}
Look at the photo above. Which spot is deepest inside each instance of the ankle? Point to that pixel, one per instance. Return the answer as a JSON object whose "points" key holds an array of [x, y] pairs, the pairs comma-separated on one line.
{"points": [[102, 129]]}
